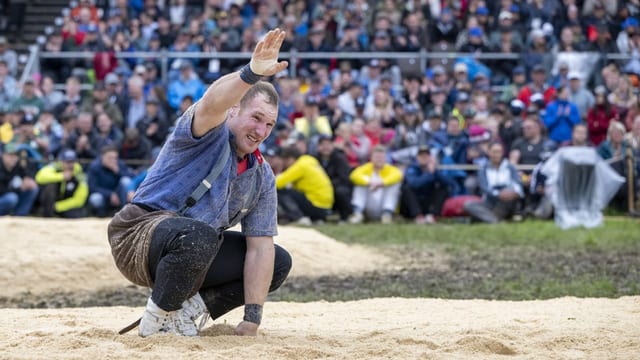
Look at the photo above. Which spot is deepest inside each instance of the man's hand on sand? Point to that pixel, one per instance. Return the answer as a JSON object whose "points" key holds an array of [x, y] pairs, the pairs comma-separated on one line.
{"points": [[264, 60], [246, 328]]}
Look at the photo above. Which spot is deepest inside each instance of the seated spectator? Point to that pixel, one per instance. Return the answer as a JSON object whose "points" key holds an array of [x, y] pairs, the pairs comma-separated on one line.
{"points": [[9, 56], [312, 124], [18, 189], [8, 86], [538, 85], [109, 178], [132, 103], [615, 146], [154, 126], [135, 147], [72, 100], [50, 95], [187, 84], [28, 101], [561, 116], [426, 189], [579, 95], [501, 189], [376, 189], [305, 192], [82, 136], [335, 164], [99, 103], [106, 133], [579, 136], [64, 187], [600, 116], [48, 134]]}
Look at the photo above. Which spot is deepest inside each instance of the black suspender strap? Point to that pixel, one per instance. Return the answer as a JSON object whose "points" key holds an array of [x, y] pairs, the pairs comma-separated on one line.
{"points": [[207, 182]]}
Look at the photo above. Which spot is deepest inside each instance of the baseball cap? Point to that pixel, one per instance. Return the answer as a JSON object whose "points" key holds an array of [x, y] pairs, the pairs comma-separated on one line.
{"points": [[573, 75], [462, 96], [99, 85], [504, 15], [475, 31], [381, 34], [629, 22], [424, 149], [68, 155], [111, 78], [433, 114], [438, 70], [311, 100], [483, 10], [537, 68], [410, 108], [518, 70]]}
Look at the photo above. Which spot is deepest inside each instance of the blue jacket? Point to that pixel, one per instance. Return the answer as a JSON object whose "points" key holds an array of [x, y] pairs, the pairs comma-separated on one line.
{"points": [[179, 88], [103, 180], [560, 117]]}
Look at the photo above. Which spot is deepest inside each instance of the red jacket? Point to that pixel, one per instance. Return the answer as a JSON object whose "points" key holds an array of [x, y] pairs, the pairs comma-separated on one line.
{"points": [[549, 94], [598, 119]]}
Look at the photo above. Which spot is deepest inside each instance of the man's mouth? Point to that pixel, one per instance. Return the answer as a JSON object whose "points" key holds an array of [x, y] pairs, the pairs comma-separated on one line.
{"points": [[253, 139]]}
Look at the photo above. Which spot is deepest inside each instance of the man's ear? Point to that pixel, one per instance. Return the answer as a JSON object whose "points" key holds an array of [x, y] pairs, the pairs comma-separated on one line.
{"points": [[233, 111]]}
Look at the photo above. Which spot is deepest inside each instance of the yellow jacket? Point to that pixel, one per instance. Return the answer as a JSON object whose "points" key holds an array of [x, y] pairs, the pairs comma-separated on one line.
{"points": [[52, 174], [361, 176], [6, 133], [322, 126], [307, 176]]}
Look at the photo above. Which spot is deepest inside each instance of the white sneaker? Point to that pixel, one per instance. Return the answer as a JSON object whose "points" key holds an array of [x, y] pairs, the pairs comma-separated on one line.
{"points": [[192, 309], [304, 221], [155, 320], [386, 218], [356, 218]]}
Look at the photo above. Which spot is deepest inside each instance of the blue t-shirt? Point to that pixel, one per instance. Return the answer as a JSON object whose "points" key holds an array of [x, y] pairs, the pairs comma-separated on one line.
{"points": [[248, 198]]}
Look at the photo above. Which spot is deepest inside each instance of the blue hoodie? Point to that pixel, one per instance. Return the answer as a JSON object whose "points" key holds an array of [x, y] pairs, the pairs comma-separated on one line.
{"points": [[560, 117]]}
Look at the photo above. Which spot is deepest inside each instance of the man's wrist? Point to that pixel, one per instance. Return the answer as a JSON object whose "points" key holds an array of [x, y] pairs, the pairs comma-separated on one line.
{"points": [[253, 313], [247, 75]]}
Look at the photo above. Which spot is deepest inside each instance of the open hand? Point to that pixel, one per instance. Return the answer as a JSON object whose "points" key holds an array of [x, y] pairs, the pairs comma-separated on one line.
{"points": [[246, 328], [264, 60]]}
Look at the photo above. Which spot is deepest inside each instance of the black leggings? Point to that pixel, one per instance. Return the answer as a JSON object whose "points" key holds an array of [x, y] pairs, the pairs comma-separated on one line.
{"points": [[188, 256]]}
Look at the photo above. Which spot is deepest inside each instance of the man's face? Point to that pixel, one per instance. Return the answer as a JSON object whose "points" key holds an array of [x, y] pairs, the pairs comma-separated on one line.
{"points": [[10, 160], [67, 165], [529, 129], [579, 135], [110, 158], [423, 158], [252, 124], [378, 158], [496, 153], [325, 147]]}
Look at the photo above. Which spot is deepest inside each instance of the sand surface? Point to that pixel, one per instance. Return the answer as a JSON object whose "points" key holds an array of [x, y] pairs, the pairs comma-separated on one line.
{"points": [[39, 256]]}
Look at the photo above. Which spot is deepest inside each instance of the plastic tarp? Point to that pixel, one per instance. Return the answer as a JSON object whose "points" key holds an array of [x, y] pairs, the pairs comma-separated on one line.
{"points": [[580, 184]]}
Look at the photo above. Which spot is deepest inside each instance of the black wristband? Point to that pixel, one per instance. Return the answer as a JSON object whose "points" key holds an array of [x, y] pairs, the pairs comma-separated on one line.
{"points": [[247, 75], [253, 313]]}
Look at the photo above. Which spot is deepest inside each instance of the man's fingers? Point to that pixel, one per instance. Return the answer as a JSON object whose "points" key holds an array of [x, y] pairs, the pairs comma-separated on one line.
{"points": [[259, 47]]}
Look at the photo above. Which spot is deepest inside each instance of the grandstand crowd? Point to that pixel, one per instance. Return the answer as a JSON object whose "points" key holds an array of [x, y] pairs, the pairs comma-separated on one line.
{"points": [[357, 139]]}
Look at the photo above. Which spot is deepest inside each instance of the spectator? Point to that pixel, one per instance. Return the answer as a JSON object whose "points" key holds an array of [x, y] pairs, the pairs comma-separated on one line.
{"points": [[614, 147], [106, 133], [50, 95], [48, 134], [109, 178], [624, 42], [623, 96], [444, 28], [312, 124], [518, 81], [633, 137], [132, 103], [18, 189], [501, 189], [135, 147], [64, 187], [600, 116], [578, 95], [560, 117], [8, 86], [530, 149], [59, 69], [305, 192], [579, 136], [82, 138], [187, 83], [72, 101], [376, 189], [28, 102], [154, 126], [347, 100], [425, 188], [9, 56], [335, 164], [99, 103], [539, 85]]}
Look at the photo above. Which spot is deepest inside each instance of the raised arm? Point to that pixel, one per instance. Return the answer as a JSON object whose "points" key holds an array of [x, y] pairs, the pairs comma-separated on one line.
{"points": [[227, 91]]}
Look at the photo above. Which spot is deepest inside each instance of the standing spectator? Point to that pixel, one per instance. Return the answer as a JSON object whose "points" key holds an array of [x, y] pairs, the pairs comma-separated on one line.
{"points": [[312, 124], [501, 189], [18, 189], [347, 100], [336, 165], [530, 148], [560, 117], [578, 95], [132, 102], [600, 116], [187, 83], [305, 192], [109, 178], [9, 56], [518, 81], [60, 69], [376, 189], [64, 187]]}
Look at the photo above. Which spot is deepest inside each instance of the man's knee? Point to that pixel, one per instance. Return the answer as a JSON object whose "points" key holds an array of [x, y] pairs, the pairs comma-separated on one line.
{"points": [[281, 268], [199, 240], [97, 201]]}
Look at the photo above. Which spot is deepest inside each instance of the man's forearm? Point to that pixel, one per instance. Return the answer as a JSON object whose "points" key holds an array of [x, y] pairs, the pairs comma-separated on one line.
{"points": [[258, 272]]}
